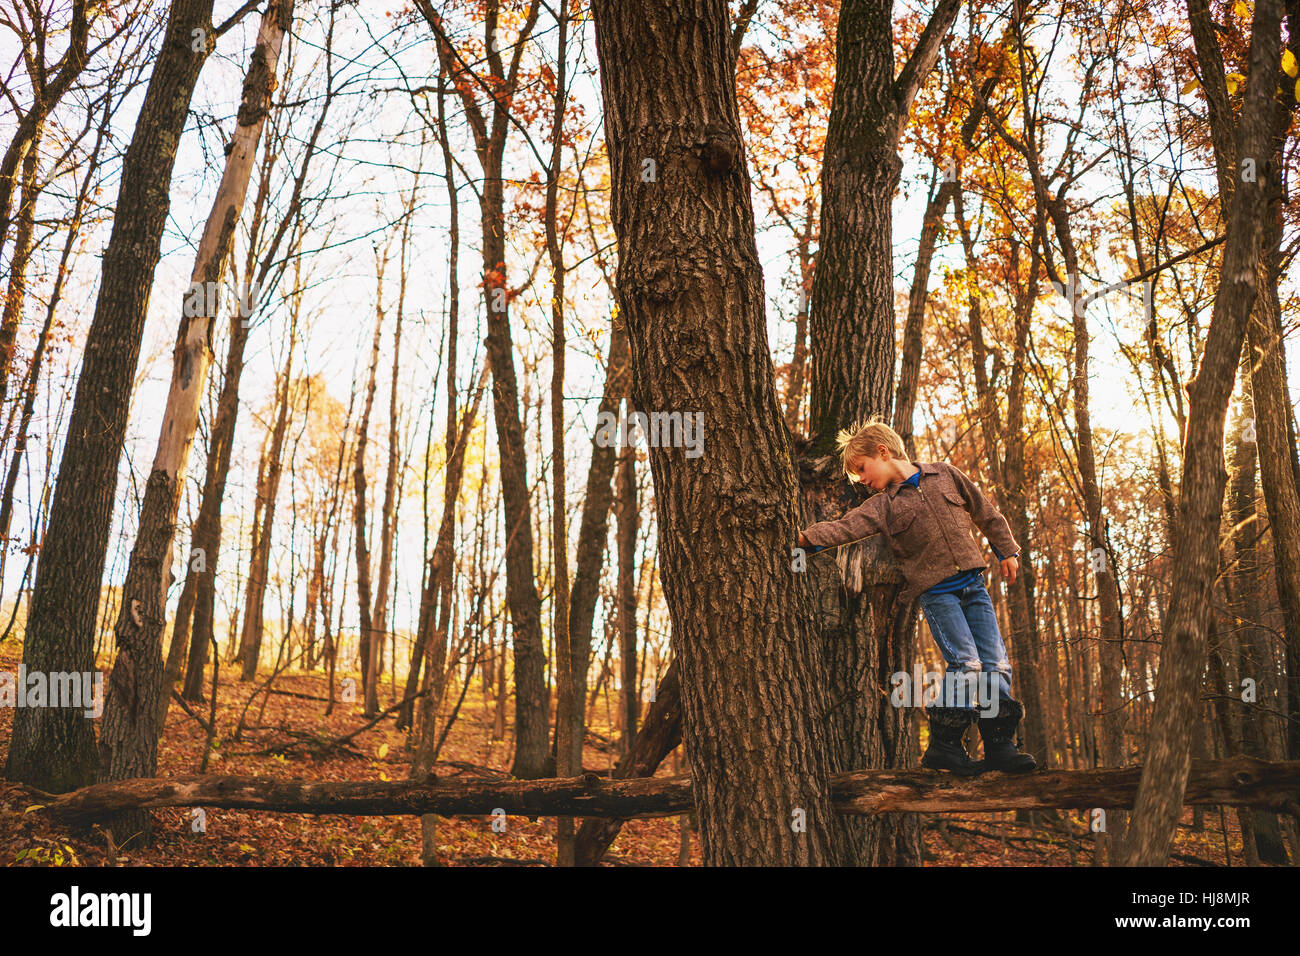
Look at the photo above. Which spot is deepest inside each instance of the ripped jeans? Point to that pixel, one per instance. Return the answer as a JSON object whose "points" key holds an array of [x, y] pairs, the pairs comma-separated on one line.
{"points": [[965, 627]]}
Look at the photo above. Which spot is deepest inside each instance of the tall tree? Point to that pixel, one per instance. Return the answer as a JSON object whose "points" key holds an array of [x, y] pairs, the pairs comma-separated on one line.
{"points": [[751, 671], [570, 702], [368, 650], [851, 335], [54, 748], [128, 741], [1159, 802], [1264, 337], [435, 596], [206, 536], [531, 691]]}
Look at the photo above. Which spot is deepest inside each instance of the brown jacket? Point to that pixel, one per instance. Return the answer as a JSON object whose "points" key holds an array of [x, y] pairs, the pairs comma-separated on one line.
{"points": [[927, 527]]}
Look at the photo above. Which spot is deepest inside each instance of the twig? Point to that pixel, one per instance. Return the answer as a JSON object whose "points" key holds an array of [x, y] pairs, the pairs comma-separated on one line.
{"points": [[186, 707]]}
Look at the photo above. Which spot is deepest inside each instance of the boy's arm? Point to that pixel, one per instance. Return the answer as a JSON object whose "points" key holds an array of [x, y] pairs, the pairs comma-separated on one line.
{"points": [[986, 516], [862, 522]]}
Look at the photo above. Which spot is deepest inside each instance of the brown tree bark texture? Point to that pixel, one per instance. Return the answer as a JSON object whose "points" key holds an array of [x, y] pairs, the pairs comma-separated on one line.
{"points": [[55, 747], [691, 289]]}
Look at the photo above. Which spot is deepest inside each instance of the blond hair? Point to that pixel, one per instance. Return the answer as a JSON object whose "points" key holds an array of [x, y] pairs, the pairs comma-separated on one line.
{"points": [[862, 439]]}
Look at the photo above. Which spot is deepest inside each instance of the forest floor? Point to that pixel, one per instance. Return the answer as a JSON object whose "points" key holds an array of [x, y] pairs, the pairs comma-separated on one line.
{"points": [[253, 838]]}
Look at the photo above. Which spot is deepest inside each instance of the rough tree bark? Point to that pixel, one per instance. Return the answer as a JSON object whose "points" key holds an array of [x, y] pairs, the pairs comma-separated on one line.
{"points": [[866, 634], [691, 290], [128, 739], [1200, 502], [54, 748]]}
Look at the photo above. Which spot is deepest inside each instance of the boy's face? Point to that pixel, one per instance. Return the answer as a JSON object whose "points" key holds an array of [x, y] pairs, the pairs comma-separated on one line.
{"points": [[876, 472]]}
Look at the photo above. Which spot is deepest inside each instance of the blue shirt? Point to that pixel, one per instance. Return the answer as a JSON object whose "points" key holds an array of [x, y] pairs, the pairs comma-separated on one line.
{"points": [[962, 578]]}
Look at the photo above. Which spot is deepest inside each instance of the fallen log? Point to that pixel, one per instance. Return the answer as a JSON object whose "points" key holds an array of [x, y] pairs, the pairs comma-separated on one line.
{"points": [[1240, 781]]}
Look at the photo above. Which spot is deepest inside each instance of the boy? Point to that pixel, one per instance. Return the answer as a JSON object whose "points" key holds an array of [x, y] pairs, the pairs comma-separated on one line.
{"points": [[925, 511]]}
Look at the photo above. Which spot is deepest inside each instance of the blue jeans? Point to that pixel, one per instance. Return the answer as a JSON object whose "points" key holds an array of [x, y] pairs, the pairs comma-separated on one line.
{"points": [[965, 627]]}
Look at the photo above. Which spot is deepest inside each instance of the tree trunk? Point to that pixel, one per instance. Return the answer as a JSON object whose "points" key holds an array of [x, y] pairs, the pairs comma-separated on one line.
{"points": [[128, 739], [569, 710], [914, 326], [593, 531], [368, 639], [626, 511], [17, 289], [1245, 584], [852, 327], [207, 527], [752, 676], [1024, 626], [1182, 657], [388, 524], [1266, 347], [660, 736], [54, 748], [268, 487]]}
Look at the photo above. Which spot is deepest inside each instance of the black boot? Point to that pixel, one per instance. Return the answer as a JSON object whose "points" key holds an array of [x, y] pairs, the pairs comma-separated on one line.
{"points": [[1000, 752], [946, 752]]}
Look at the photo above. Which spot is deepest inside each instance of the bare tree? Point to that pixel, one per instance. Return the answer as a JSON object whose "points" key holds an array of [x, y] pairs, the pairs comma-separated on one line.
{"points": [[1159, 801], [54, 748], [128, 741]]}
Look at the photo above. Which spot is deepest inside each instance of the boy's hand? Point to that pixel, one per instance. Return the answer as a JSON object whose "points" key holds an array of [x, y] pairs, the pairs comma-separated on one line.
{"points": [[805, 543], [1009, 567]]}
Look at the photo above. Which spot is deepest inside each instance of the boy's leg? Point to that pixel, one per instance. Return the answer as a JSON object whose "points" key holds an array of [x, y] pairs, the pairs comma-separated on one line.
{"points": [[998, 727], [952, 714], [982, 620], [957, 644]]}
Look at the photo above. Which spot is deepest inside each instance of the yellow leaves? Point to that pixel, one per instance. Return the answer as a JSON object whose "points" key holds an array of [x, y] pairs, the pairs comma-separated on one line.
{"points": [[1241, 9], [48, 856], [1189, 86], [1289, 66], [383, 751], [1234, 80]]}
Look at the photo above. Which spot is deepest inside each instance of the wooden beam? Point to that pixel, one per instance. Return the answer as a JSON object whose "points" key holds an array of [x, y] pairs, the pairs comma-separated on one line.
{"points": [[1241, 781]]}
